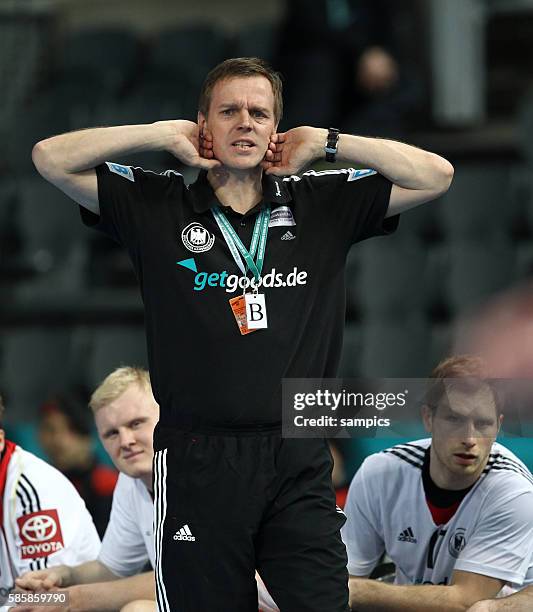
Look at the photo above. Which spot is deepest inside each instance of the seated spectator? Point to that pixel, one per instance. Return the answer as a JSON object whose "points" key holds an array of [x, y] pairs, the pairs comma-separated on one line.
{"points": [[65, 433], [454, 512], [44, 522]]}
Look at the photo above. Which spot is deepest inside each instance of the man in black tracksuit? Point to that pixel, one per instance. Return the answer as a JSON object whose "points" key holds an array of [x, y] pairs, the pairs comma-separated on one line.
{"points": [[241, 248]]}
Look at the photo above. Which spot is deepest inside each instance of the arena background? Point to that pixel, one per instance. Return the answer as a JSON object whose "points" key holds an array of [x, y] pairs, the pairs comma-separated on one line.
{"points": [[70, 310]]}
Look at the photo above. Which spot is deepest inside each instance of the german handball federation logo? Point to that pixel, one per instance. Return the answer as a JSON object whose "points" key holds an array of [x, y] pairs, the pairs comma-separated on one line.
{"points": [[196, 238], [40, 533], [457, 542]]}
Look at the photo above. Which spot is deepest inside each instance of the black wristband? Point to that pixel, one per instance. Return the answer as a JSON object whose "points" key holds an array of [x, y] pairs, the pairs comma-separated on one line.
{"points": [[331, 144]]}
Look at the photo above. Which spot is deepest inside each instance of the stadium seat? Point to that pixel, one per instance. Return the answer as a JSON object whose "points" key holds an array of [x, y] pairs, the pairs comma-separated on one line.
{"points": [[526, 198], [39, 119], [111, 347], [49, 223], [53, 249], [524, 262], [392, 277], [475, 271], [194, 48], [112, 55], [183, 56], [477, 207], [395, 349], [423, 225], [191, 50], [439, 307], [525, 125], [351, 352], [152, 99], [521, 198], [440, 344], [9, 235], [34, 361], [257, 40]]}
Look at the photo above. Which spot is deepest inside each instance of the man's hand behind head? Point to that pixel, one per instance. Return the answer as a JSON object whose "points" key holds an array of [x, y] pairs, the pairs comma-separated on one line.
{"points": [[43, 580], [189, 146], [290, 152]]}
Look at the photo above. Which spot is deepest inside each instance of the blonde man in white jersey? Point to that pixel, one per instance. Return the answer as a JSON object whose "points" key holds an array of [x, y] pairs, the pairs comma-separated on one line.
{"points": [[453, 512], [125, 413]]}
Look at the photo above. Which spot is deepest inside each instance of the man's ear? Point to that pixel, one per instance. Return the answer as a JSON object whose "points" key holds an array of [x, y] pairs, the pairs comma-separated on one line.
{"points": [[500, 421], [427, 418], [202, 120], [2, 440]]}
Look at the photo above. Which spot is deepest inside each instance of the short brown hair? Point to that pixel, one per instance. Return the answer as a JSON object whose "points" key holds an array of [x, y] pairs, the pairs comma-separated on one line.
{"points": [[242, 67], [114, 385], [471, 372]]}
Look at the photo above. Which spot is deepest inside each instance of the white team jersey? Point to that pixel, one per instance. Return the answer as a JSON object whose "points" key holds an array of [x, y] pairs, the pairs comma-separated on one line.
{"points": [[491, 533], [44, 520], [128, 542], [129, 538]]}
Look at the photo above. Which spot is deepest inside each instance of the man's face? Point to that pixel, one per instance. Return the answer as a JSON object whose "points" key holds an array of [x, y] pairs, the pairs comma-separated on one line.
{"points": [[126, 428], [2, 440], [241, 121], [463, 428]]}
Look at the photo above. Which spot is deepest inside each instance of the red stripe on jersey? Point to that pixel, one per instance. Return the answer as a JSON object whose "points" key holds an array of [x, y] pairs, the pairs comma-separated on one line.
{"points": [[442, 515], [9, 449]]}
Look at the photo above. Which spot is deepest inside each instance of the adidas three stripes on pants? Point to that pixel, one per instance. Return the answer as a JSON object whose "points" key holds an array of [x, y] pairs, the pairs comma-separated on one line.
{"points": [[228, 504]]}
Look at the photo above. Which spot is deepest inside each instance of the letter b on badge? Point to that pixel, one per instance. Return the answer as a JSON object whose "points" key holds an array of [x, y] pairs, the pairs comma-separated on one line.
{"points": [[256, 314]]}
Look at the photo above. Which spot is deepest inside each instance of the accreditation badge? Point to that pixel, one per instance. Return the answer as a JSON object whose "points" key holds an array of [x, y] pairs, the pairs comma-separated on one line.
{"points": [[256, 313], [249, 311], [238, 307]]}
